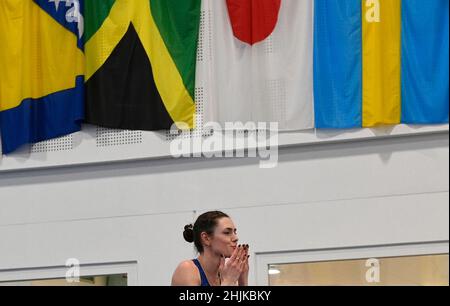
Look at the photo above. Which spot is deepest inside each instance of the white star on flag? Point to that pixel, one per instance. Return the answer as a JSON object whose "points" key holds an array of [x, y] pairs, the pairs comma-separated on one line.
{"points": [[56, 2], [72, 15]]}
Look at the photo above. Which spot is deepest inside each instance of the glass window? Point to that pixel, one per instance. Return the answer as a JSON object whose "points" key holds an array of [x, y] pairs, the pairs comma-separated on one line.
{"points": [[430, 270], [97, 281]]}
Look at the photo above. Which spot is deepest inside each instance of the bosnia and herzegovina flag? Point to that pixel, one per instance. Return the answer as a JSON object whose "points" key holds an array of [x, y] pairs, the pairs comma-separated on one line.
{"points": [[41, 70], [141, 58], [381, 62]]}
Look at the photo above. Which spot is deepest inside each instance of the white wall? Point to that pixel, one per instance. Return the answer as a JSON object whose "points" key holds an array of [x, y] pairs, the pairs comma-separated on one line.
{"points": [[363, 193]]}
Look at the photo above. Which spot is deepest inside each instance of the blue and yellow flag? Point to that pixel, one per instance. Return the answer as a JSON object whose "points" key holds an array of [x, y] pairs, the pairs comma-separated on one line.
{"points": [[41, 70], [381, 62]]}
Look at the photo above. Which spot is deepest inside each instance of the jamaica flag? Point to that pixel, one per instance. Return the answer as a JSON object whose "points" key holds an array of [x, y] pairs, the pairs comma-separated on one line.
{"points": [[140, 62]]}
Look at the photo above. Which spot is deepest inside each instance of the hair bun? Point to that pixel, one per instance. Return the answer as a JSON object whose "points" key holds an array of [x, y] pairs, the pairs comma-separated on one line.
{"points": [[188, 233]]}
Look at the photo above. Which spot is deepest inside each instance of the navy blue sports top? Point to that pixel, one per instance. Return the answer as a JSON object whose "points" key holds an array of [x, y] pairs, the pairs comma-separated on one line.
{"points": [[205, 282]]}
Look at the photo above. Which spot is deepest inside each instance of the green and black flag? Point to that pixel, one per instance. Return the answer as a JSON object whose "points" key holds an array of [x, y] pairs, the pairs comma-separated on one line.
{"points": [[141, 62]]}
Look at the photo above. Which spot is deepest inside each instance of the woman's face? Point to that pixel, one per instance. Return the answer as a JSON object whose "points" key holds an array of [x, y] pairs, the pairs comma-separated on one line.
{"points": [[225, 239]]}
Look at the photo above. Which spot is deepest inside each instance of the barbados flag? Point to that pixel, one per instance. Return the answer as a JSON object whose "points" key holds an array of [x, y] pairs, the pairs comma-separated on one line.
{"points": [[381, 62], [41, 70]]}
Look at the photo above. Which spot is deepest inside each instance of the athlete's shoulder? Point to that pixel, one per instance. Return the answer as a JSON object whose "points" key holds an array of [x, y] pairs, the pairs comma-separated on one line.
{"points": [[187, 265], [186, 274]]}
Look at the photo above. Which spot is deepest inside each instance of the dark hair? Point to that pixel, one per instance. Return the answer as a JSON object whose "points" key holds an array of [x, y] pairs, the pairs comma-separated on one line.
{"points": [[206, 223]]}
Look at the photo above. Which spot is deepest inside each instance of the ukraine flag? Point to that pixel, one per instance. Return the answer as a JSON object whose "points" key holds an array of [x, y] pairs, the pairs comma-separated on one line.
{"points": [[381, 62], [41, 70]]}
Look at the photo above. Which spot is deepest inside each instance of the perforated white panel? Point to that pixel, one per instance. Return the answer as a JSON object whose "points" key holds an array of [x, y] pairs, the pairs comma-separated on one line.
{"points": [[113, 137], [200, 51], [276, 94], [54, 145], [268, 45], [204, 44]]}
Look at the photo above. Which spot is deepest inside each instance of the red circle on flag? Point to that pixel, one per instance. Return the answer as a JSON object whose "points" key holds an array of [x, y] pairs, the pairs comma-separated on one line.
{"points": [[253, 20]]}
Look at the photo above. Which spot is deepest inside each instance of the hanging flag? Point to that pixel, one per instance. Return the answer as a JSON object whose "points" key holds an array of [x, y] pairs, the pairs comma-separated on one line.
{"points": [[261, 62], [42, 67], [357, 63], [141, 62], [381, 62], [425, 61]]}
